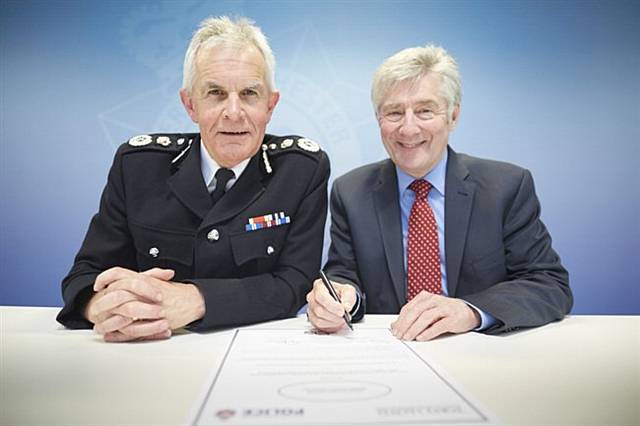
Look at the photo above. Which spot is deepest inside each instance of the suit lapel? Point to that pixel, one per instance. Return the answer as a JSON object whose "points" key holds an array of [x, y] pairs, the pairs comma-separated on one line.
{"points": [[458, 203], [387, 209], [187, 182]]}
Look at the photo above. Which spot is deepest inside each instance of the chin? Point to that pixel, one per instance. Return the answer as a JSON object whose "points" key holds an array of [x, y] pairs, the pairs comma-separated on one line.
{"points": [[238, 155], [415, 170]]}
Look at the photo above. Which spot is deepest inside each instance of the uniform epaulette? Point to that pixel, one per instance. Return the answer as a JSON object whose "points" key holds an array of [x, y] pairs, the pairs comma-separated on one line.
{"points": [[169, 142], [275, 145]]}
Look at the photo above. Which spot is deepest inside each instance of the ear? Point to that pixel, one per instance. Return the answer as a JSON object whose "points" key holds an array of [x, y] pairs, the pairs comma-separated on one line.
{"points": [[189, 106], [454, 117], [274, 97]]}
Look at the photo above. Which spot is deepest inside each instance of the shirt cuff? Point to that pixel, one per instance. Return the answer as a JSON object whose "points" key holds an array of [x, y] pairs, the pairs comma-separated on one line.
{"points": [[356, 306], [486, 320]]}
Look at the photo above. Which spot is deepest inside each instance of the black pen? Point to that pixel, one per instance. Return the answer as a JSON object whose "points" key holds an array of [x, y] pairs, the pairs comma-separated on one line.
{"points": [[334, 294]]}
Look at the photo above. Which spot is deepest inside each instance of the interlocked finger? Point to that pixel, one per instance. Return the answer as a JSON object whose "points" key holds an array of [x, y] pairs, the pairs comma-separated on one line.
{"points": [[113, 323], [108, 301], [110, 276], [140, 285], [137, 310], [145, 328], [117, 336]]}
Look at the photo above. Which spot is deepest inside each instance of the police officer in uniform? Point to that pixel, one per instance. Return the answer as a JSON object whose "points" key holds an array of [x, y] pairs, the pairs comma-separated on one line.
{"points": [[205, 230]]}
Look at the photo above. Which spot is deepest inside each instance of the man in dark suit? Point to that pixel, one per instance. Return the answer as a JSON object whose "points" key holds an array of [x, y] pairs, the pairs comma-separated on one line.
{"points": [[451, 242], [206, 230]]}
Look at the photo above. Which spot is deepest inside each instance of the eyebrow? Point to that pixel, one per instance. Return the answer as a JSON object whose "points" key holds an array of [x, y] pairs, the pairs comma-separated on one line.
{"points": [[419, 103], [213, 85], [427, 102], [390, 106], [258, 87]]}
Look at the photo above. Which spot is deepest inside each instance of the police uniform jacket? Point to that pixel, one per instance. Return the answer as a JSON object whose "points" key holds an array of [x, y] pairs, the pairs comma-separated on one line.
{"points": [[253, 255]]}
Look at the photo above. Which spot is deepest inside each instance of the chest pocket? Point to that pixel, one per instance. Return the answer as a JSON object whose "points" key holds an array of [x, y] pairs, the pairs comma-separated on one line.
{"points": [[161, 248], [262, 246]]}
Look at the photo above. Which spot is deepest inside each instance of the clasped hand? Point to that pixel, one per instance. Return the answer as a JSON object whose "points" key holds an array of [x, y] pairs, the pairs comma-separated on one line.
{"points": [[131, 305]]}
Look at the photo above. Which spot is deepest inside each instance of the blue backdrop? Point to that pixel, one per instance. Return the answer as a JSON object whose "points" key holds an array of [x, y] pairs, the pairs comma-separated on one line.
{"points": [[553, 86]]}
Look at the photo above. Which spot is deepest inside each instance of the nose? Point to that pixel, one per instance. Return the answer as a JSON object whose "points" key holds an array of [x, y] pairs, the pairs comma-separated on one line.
{"points": [[409, 124], [232, 107]]}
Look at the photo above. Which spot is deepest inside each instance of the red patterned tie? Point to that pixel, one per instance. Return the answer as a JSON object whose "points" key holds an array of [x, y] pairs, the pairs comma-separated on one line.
{"points": [[423, 253]]}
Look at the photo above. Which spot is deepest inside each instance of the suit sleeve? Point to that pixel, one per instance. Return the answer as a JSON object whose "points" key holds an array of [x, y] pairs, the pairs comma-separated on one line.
{"points": [[536, 290], [281, 292], [341, 263], [107, 243]]}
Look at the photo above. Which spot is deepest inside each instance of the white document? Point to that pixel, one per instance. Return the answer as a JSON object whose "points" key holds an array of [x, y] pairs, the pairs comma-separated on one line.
{"points": [[300, 377]]}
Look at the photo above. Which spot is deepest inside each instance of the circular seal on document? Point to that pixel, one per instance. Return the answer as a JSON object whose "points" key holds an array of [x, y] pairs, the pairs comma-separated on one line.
{"points": [[334, 391]]}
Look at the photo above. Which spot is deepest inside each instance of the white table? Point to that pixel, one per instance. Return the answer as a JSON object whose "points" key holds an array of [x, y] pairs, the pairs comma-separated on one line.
{"points": [[584, 370]]}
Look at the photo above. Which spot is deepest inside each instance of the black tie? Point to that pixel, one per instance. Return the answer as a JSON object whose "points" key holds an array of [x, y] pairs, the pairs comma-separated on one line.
{"points": [[222, 178]]}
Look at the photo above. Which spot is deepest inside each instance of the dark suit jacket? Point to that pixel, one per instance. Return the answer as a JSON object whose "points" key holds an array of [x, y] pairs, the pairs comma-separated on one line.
{"points": [[156, 212], [498, 252]]}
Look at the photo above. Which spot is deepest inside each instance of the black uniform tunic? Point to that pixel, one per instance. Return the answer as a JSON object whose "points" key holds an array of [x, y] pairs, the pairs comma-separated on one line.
{"points": [[155, 211]]}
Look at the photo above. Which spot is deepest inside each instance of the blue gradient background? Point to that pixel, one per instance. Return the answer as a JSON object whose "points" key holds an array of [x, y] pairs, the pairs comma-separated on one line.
{"points": [[552, 86]]}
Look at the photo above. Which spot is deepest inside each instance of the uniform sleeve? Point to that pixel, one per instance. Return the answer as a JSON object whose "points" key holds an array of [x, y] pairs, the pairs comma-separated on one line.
{"points": [[281, 292], [107, 243], [341, 263], [536, 290]]}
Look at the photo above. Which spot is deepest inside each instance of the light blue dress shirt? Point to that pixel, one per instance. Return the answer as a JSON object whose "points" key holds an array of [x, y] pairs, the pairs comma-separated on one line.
{"points": [[209, 167], [437, 178]]}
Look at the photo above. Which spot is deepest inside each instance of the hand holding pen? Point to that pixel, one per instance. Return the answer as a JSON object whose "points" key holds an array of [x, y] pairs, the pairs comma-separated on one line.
{"points": [[334, 294], [330, 303]]}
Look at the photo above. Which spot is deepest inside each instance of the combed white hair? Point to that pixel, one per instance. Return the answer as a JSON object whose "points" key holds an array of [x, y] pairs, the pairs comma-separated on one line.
{"points": [[224, 31]]}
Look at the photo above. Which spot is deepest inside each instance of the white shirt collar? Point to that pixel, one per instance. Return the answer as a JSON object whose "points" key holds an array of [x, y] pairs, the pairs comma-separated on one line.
{"points": [[209, 167]]}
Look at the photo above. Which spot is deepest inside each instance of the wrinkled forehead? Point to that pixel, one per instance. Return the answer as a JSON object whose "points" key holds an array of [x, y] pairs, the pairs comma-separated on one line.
{"points": [[231, 59]]}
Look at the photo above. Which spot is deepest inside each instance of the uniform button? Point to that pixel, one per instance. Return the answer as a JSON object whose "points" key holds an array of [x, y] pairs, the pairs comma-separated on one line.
{"points": [[154, 252], [213, 235], [270, 250]]}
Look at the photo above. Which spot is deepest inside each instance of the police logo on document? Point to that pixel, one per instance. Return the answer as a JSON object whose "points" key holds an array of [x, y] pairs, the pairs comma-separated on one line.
{"points": [[225, 414]]}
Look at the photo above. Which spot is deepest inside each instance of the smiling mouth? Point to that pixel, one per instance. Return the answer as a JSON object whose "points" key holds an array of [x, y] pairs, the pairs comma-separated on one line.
{"points": [[236, 133], [412, 145]]}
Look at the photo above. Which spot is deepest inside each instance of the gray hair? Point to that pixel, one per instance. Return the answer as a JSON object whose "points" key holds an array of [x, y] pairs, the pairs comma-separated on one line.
{"points": [[411, 65], [224, 31]]}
